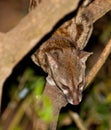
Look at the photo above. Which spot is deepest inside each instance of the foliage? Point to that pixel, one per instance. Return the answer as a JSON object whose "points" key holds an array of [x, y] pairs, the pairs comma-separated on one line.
{"points": [[28, 96]]}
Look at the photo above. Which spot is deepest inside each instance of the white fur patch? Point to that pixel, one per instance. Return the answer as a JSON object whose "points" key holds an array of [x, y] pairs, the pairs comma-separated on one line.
{"points": [[50, 81], [65, 91], [70, 101], [80, 98]]}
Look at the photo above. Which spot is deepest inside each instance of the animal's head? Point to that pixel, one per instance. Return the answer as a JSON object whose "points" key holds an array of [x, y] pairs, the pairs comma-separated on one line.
{"points": [[66, 68]]}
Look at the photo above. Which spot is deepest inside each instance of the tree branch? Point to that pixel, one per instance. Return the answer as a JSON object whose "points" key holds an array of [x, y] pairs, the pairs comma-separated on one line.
{"points": [[15, 44], [101, 60], [98, 8]]}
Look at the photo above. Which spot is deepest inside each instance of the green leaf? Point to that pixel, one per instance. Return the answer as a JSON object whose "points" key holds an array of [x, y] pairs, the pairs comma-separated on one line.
{"points": [[39, 86], [46, 111]]}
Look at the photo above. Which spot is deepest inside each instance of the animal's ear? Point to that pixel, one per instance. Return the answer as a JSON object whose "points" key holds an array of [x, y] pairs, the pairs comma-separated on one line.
{"points": [[84, 56], [51, 61], [35, 59], [84, 27]]}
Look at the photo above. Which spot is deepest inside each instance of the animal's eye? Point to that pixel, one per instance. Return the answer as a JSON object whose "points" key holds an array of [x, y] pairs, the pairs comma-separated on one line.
{"points": [[65, 87], [81, 86], [56, 52]]}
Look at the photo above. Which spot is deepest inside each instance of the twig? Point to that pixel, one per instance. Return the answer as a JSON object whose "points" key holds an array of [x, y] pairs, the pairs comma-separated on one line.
{"points": [[101, 60], [77, 120]]}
